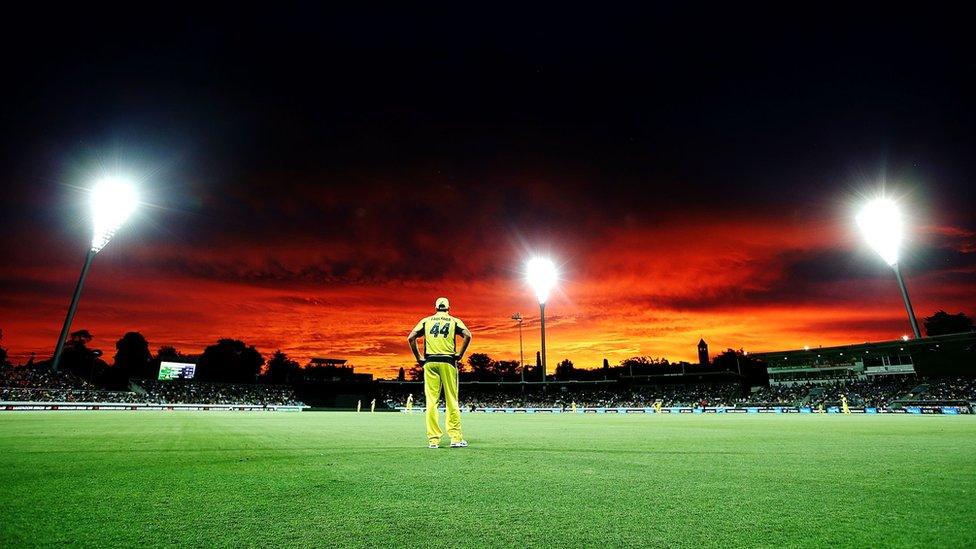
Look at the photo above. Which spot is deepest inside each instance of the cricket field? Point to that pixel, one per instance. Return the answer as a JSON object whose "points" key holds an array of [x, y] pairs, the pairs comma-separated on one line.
{"points": [[310, 479]]}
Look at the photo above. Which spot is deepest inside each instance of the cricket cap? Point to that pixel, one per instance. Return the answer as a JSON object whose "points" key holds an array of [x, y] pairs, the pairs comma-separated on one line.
{"points": [[442, 304]]}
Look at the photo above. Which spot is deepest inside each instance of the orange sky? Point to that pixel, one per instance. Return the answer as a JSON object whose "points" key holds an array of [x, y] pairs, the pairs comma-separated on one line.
{"points": [[316, 189], [636, 289]]}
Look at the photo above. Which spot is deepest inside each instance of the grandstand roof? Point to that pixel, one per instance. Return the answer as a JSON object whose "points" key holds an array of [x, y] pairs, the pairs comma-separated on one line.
{"points": [[894, 345]]}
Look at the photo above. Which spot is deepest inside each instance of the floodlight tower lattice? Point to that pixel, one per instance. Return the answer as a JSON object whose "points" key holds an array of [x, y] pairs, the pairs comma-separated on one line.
{"points": [[880, 221], [517, 317], [112, 202], [541, 275]]}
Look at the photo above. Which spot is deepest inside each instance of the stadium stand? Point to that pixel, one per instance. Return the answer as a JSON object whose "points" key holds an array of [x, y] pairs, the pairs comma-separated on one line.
{"points": [[940, 391], [43, 385], [24, 384], [875, 392], [33, 378], [192, 392], [606, 395], [22, 394]]}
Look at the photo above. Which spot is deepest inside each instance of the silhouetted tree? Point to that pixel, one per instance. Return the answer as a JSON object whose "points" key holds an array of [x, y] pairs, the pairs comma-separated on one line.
{"points": [[3, 353], [281, 369], [80, 360], [506, 369], [565, 370], [942, 323], [79, 338], [637, 365], [738, 361], [538, 359], [401, 375], [729, 359], [416, 373], [168, 353], [132, 356], [481, 366], [230, 361]]}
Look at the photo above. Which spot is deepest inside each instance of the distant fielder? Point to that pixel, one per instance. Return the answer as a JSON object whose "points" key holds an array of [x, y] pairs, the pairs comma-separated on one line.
{"points": [[440, 359]]}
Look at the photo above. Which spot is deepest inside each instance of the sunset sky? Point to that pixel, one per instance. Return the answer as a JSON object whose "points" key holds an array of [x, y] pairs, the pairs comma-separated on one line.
{"points": [[312, 183]]}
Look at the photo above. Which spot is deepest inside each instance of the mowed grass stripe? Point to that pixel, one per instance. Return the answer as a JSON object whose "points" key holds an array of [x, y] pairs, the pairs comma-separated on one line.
{"points": [[346, 479]]}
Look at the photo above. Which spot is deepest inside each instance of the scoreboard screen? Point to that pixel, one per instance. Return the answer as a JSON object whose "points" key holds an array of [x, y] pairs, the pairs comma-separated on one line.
{"points": [[176, 370]]}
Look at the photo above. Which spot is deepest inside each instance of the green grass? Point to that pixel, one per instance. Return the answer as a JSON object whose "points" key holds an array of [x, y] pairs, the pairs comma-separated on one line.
{"points": [[342, 479]]}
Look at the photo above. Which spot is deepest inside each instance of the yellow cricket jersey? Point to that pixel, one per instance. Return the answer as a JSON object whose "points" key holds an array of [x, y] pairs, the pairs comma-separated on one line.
{"points": [[439, 331]]}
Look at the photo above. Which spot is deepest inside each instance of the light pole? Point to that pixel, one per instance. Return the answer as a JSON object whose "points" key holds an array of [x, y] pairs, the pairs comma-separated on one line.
{"points": [[112, 202], [517, 317], [880, 221], [541, 274]]}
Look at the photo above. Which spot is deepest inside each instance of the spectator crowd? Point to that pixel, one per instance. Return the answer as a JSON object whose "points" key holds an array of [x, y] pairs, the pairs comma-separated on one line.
{"points": [[192, 392], [43, 385], [880, 392], [24, 384], [26, 394], [32, 378], [602, 396]]}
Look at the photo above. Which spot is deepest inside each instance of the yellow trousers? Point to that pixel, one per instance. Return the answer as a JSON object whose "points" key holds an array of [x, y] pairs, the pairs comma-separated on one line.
{"points": [[438, 375]]}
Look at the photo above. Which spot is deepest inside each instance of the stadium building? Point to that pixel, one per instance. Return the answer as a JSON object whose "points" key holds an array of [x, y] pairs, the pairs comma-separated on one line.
{"points": [[939, 355], [321, 370]]}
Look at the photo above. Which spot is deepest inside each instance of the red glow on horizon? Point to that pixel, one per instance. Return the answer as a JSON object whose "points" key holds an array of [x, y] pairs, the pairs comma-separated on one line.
{"points": [[634, 291]]}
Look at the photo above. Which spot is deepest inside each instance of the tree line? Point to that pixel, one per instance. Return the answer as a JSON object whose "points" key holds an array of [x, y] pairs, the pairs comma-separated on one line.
{"points": [[481, 367], [232, 361], [226, 361]]}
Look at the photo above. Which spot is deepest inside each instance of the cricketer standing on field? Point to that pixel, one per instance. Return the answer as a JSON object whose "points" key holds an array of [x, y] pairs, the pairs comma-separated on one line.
{"points": [[440, 359]]}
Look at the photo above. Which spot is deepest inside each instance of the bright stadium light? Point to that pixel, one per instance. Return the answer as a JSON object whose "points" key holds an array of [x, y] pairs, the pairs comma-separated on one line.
{"points": [[112, 201], [541, 275], [880, 221]]}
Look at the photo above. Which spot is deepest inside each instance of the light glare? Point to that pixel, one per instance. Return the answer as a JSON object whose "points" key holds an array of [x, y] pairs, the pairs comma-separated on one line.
{"points": [[112, 202], [541, 274], [880, 221]]}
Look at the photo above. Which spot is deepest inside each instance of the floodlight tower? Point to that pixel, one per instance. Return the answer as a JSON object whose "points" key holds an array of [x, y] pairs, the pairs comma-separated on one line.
{"points": [[112, 202], [541, 275], [517, 317], [880, 221]]}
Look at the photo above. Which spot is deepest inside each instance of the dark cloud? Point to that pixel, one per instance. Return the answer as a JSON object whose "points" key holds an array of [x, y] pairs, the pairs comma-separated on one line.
{"points": [[303, 162], [829, 275]]}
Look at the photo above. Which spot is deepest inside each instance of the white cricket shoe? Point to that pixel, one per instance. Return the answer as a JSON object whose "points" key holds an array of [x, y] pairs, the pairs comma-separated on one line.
{"points": [[433, 446], [459, 444]]}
